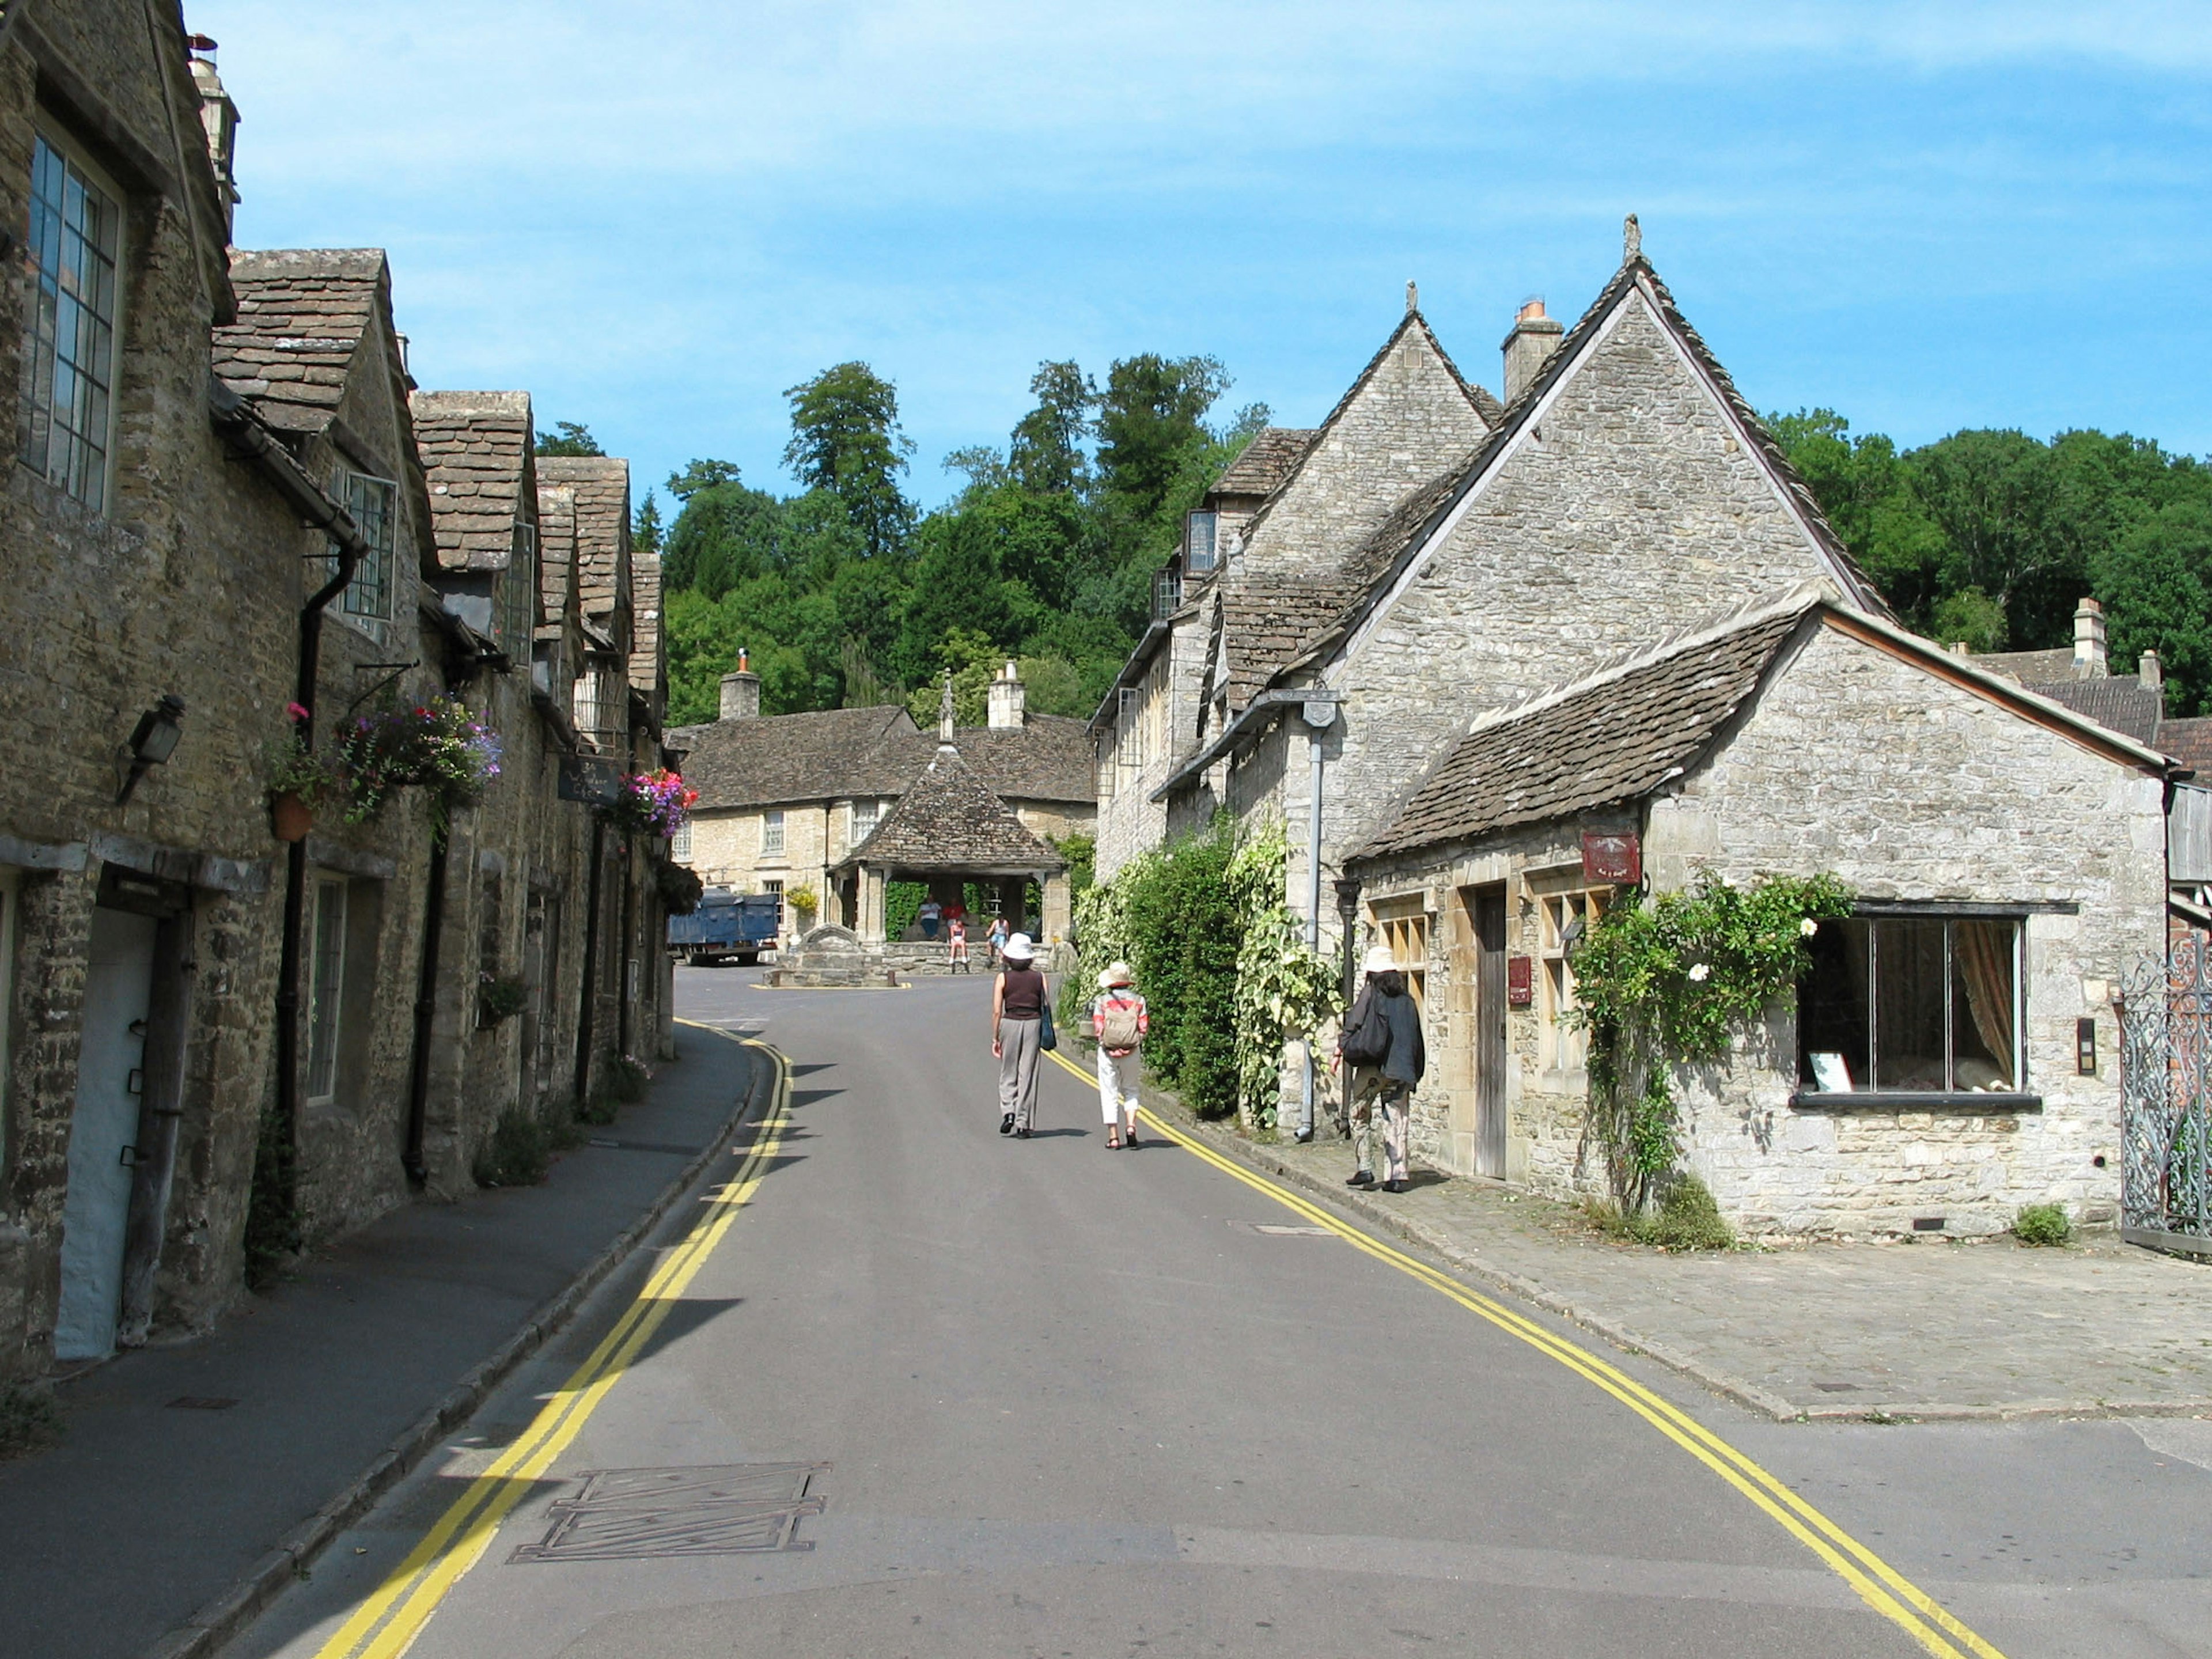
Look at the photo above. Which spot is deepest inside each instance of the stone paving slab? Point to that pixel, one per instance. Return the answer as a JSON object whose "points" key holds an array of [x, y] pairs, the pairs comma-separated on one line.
{"points": [[1939, 1329]]}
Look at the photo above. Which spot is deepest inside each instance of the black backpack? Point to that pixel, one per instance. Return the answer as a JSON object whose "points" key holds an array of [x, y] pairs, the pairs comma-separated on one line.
{"points": [[1366, 1040]]}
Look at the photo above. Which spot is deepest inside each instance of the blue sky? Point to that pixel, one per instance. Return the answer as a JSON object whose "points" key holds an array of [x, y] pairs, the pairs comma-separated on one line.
{"points": [[655, 217]]}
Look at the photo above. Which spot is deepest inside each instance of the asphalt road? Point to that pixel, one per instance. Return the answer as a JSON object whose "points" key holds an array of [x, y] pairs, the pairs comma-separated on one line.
{"points": [[1049, 1400]]}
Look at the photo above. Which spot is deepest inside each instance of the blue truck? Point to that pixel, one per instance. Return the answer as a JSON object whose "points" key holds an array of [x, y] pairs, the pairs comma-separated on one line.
{"points": [[726, 926]]}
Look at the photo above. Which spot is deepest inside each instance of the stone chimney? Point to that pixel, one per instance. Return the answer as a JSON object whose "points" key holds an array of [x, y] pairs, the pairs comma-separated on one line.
{"points": [[1009, 699], [2089, 662], [1535, 338], [2150, 671], [741, 692], [220, 117]]}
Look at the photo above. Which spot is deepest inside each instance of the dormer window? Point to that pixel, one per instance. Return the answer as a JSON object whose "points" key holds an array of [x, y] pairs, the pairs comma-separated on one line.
{"points": [[1167, 591], [1198, 552], [372, 504], [73, 247]]}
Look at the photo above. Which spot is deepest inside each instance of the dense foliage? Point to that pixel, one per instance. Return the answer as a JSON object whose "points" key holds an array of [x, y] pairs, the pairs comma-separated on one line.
{"points": [[846, 595], [1991, 537], [1669, 982]]}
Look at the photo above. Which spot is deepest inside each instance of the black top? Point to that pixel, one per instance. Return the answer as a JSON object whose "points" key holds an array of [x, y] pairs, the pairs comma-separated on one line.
{"points": [[1024, 997], [1408, 1057]]}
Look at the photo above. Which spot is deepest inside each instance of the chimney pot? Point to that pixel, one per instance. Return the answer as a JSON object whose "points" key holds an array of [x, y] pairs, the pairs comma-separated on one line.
{"points": [[1533, 339], [741, 692], [219, 121], [1009, 699], [2089, 661]]}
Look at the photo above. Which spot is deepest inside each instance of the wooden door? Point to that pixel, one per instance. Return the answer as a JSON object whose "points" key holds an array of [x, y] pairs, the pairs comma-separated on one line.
{"points": [[1487, 910]]}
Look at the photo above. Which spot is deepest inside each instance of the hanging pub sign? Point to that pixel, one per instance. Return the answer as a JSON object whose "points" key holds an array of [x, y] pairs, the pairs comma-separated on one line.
{"points": [[1615, 857], [1520, 981], [588, 779]]}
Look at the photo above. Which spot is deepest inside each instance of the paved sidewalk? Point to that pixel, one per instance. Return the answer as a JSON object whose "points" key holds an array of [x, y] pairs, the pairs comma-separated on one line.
{"points": [[1933, 1330], [156, 1523]]}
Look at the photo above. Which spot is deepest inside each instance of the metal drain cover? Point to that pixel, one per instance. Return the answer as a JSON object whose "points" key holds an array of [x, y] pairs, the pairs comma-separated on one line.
{"points": [[634, 1514]]}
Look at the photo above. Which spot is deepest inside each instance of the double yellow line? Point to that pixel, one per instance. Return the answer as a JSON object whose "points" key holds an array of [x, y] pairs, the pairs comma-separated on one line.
{"points": [[386, 1625], [1880, 1585]]}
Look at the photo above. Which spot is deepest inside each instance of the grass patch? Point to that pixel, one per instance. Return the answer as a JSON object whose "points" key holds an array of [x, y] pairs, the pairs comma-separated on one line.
{"points": [[2043, 1224], [518, 1154], [29, 1420]]}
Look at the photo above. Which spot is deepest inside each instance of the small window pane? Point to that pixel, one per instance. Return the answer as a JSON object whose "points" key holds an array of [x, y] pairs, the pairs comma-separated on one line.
{"points": [[1835, 1028], [1982, 1006], [1909, 977], [1200, 557], [772, 835], [326, 969]]}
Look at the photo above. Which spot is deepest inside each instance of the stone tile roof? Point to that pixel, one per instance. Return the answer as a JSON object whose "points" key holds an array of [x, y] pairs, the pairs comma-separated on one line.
{"points": [[1272, 456], [779, 758], [2190, 742], [2035, 668], [2118, 702], [475, 447], [301, 314], [950, 819], [1267, 622], [645, 622], [602, 487], [1603, 741], [556, 553], [1048, 758]]}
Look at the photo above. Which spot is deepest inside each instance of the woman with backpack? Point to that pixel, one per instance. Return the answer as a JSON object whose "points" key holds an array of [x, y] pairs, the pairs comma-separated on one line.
{"points": [[1381, 1040], [1119, 1020]]}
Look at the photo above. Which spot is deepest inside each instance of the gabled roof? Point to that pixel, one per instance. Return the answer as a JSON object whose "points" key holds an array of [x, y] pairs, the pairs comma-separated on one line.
{"points": [[1272, 456], [1265, 620], [475, 447], [645, 623], [780, 758], [1048, 758], [2190, 742], [556, 553], [1386, 564], [2036, 668], [301, 314], [949, 819], [2120, 701], [602, 487], [1605, 741]]}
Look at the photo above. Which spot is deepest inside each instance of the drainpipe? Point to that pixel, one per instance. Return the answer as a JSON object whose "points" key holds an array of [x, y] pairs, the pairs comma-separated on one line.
{"points": [[426, 1010], [629, 942], [1319, 716], [248, 441], [591, 961]]}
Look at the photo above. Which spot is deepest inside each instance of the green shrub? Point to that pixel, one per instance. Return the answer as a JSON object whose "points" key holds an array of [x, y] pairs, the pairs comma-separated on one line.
{"points": [[598, 1107], [2043, 1224], [1185, 932], [499, 998], [1687, 1219], [627, 1080], [517, 1154], [29, 1420]]}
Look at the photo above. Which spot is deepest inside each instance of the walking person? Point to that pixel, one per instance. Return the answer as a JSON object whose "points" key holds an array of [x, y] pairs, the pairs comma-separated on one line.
{"points": [[1018, 1005], [1120, 1021], [957, 946], [1381, 1039], [997, 938], [927, 915]]}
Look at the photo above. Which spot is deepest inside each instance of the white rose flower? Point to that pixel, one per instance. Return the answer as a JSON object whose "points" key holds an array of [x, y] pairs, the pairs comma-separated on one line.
{"points": [[1701, 971], [1808, 927]]}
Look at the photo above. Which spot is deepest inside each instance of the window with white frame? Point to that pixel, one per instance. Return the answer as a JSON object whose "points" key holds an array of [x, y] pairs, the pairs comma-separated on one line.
{"points": [[1403, 925], [325, 986], [72, 254], [775, 889], [518, 594], [680, 844], [1198, 544], [372, 504], [1916, 1004], [864, 816], [772, 837], [1564, 917]]}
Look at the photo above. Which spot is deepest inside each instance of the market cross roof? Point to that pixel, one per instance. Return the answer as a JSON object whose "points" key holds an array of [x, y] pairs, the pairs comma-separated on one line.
{"points": [[1609, 740], [948, 820]]}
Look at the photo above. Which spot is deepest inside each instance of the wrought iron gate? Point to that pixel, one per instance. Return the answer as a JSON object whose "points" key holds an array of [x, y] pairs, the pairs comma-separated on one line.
{"points": [[2166, 1077]]}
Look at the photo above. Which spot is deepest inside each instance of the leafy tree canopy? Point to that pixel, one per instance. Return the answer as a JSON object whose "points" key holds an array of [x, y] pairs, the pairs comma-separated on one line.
{"points": [[845, 439], [568, 438]]}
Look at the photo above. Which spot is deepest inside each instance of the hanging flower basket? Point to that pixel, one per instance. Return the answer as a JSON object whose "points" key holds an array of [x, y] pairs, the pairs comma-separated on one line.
{"points": [[296, 778], [435, 744], [650, 804], [290, 817]]}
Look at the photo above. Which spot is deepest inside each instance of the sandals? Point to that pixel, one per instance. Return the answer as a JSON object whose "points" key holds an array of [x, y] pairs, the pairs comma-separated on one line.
{"points": [[1131, 1139], [1113, 1145]]}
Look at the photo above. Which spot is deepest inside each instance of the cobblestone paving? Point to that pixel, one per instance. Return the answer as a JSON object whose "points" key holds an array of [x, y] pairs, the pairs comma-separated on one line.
{"points": [[1918, 1329]]}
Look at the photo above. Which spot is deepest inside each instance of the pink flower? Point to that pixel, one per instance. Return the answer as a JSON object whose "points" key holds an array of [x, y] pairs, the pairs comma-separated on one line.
{"points": [[298, 711]]}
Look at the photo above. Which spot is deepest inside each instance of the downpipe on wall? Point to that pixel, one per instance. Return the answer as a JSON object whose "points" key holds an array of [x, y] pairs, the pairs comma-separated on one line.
{"points": [[1319, 716]]}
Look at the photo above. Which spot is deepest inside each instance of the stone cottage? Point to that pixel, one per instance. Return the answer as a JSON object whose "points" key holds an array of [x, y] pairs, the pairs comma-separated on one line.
{"points": [[222, 511], [784, 799], [1953, 1054]]}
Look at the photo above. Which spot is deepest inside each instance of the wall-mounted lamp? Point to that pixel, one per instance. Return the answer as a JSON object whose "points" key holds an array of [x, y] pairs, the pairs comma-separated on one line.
{"points": [[152, 742], [1347, 912]]}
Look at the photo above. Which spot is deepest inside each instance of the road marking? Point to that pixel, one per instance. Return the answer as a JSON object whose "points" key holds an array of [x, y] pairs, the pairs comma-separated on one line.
{"points": [[1880, 1585], [387, 1623]]}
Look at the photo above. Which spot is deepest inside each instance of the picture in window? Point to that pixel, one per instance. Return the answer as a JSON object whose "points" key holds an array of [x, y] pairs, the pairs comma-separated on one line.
{"points": [[71, 248], [1910, 1004]]}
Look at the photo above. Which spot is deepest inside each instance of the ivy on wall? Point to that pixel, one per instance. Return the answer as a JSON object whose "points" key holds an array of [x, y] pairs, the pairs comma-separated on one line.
{"points": [[1670, 984]]}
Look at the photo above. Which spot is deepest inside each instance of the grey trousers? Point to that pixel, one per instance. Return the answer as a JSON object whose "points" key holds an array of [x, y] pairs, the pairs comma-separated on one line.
{"points": [[1017, 1068]]}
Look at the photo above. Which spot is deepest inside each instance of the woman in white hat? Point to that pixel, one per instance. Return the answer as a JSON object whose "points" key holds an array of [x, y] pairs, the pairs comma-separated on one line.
{"points": [[1382, 1039], [1018, 1002], [1119, 1020]]}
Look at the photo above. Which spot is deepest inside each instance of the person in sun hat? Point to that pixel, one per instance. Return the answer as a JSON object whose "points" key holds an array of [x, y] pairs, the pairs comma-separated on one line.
{"points": [[1119, 1020], [1018, 1003], [1381, 1040]]}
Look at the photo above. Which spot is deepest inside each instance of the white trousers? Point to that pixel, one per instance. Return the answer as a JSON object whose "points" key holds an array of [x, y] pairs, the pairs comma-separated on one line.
{"points": [[1118, 1075]]}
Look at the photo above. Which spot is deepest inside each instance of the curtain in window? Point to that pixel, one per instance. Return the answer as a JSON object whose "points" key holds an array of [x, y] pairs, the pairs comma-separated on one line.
{"points": [[1983, 951]]}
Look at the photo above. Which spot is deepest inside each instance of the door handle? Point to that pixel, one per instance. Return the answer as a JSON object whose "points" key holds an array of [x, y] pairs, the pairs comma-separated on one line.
{"points": [[127, 1157]]}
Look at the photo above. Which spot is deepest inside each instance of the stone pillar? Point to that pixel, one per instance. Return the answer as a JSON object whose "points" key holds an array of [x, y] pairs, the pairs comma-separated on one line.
{"points": [[1058, 907]]}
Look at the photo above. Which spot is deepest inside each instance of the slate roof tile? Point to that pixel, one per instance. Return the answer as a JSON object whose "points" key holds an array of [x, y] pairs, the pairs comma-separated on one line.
{"points": [[950, 819], [556, 552], [1272, 456], [2190, 742], [602, 487], [2119, 703], [301, 314], [475, 447]]}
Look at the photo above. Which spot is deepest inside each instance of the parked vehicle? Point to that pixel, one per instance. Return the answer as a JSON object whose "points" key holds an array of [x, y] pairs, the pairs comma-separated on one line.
{"points": [[726, 926]]}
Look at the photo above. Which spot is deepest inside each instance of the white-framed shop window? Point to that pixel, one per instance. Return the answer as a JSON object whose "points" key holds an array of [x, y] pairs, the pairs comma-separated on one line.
{"points": [[72, 323], [325, 987], [1403, 925], [772, 834]]}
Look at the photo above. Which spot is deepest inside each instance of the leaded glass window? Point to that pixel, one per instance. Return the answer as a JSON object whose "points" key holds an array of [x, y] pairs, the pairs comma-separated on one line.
{"points": [[71, 252]]}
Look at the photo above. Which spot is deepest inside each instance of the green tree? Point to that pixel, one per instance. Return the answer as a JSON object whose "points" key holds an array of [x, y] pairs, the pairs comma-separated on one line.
{"points": [[568, 438], [1047, 455], [846, 440], [2156, 587], [646, 532]]}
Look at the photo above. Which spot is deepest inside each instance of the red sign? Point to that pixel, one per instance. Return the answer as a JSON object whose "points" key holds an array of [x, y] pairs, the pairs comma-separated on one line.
{"points": [[1618, 859], [1520, 981]]}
